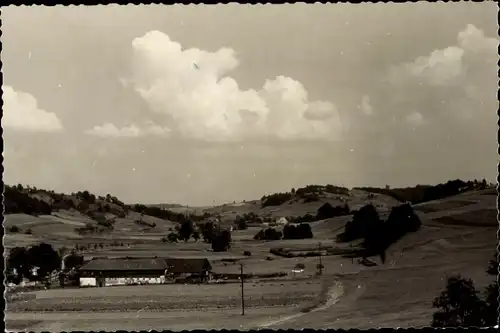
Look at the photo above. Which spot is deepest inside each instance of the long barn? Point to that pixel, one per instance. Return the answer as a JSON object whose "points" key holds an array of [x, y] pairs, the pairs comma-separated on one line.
{"points": [[126, 271]]}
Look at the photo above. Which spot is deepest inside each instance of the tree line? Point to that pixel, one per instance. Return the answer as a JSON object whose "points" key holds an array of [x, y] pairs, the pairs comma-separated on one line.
{"points": [[290, 231], [211, 233], [20, 200], [424, 193], [308, 193]]}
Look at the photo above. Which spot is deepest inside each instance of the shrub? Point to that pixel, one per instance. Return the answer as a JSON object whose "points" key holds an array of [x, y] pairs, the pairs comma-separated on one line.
{"points": [[247, 253], [172, 237], [14, 229], [28, 231], [301, 231], [268, 234]]}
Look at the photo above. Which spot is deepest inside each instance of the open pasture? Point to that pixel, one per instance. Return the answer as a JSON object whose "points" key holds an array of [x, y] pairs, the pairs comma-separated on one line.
{"points": [[169, 297], [175, 319]]}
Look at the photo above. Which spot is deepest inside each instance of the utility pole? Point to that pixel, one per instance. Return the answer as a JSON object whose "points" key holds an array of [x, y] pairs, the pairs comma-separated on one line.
{"points": [[320, 267], [242, 294]]}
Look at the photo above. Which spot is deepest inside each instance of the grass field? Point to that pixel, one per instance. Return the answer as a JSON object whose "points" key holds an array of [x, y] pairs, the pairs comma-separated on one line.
{"points": [[458, 235]]}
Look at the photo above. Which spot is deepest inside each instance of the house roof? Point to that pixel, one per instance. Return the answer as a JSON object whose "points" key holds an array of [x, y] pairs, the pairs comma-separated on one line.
{"points": [[191, 265], [174, 265], [124, 265]]}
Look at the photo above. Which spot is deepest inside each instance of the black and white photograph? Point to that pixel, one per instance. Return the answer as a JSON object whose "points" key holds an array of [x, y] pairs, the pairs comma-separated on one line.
{"points": [[238, 166]]}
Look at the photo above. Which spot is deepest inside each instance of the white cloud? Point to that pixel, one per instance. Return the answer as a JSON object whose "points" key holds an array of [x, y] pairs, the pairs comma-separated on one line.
{"points": [[474, 40], [456, 81], [110, 130], [450, 92], [21, 113], [190, 87], [453, 64]]}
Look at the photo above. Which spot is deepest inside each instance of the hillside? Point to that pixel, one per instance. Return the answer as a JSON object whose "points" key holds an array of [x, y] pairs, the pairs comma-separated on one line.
{"points": [[457, 235], [80, 219], [85, 220]]}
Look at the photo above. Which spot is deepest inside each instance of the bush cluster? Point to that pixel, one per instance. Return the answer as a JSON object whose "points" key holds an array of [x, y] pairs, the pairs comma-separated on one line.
{"points": [[21, 262], [377, 234]]}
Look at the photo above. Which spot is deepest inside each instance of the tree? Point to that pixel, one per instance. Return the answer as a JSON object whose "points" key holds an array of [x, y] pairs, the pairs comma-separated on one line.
{"points": [[302, 231], [44, 257], [221, 241], [186, 230], [73, 260], [241, 224], [18, 264], [364, 222], [208, 231], [491, 315], [459, 305]]}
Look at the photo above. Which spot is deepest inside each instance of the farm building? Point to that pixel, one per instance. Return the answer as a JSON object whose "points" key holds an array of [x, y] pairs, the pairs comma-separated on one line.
{"points": [[126, 271]]}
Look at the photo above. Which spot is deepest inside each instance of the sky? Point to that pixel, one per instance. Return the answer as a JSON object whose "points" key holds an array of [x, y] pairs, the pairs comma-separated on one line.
{"points": [[210, 104]]}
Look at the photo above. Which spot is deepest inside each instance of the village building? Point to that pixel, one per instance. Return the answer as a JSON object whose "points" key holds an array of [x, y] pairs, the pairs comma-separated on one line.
{"points": [[282, 221], [129, 271]]}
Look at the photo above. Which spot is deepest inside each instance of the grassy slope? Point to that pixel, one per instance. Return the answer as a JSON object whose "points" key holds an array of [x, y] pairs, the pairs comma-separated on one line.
{"points": [[401, 292]]}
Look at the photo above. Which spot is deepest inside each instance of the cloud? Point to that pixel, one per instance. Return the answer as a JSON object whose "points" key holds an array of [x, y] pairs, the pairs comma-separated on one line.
{"points": [[455, 82], [452, 65], [21, 113], [191, 89], [111, 131], [449, 93]]}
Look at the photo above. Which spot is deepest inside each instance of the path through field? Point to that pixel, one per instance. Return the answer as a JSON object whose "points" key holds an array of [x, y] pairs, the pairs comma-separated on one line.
{"points": [[332, 296]]}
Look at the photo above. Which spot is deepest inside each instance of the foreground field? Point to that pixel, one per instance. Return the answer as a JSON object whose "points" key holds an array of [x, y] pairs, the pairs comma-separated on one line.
{"points": [[176, 320], [204, 306]]}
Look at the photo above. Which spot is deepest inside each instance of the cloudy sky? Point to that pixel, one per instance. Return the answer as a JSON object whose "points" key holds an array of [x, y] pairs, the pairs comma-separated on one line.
{"points": [[196, 104]]}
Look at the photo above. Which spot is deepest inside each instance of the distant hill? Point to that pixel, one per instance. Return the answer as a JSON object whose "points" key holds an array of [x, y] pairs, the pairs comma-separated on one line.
{"points": [[295, 203], [32, 201]]}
